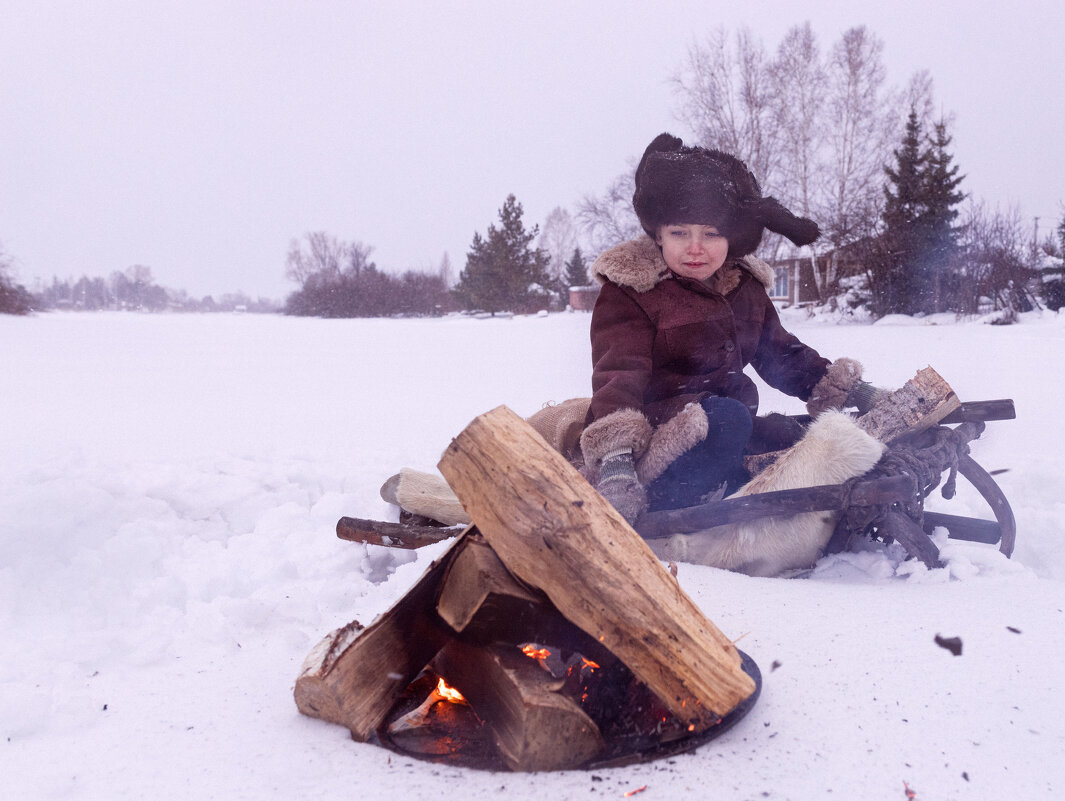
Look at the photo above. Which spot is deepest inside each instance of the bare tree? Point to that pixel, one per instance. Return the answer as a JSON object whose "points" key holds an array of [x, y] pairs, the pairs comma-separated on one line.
{"points": [[321, 253], [728, 97], [799, 80], [608, 219], [861, 129], [558, 238], [995, 262]]}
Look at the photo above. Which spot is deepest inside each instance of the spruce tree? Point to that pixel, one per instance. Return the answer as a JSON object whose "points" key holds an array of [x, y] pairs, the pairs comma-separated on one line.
{"points": [[894, 283], [576, 269], [503, 272], [912, 271]]}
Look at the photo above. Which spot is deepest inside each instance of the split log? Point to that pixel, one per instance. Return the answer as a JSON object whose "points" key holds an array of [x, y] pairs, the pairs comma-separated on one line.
{"points": [[553, 531], [534, 727], [920, 403], [354, 675]]}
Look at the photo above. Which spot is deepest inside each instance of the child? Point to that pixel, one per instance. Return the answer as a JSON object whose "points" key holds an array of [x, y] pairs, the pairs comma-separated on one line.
{"points": [[681, 312]]}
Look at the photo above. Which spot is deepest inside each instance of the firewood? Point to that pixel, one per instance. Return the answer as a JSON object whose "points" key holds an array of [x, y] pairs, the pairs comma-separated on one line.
{"points": [[534, 727], [483, 602], [393, 535], [553, 531], [920, 403], [477, 581], [354, 675]]}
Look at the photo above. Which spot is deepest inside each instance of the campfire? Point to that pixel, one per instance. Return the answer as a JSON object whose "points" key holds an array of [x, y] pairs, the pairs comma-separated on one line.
{"points": [[547, 637]]}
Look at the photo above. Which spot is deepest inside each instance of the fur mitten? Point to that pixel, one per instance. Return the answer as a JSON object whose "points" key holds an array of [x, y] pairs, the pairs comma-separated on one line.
{"points": [[832, 390], [625, 429]]}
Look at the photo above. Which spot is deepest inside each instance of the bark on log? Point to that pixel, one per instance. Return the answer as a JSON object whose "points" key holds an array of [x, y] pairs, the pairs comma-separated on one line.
{"points": [[354, 675], [392, 535], [554, 531], [534, 727], [918, 404]]}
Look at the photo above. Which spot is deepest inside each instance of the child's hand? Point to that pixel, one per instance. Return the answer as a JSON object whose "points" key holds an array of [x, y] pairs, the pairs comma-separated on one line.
{"points": [[619, 484]]}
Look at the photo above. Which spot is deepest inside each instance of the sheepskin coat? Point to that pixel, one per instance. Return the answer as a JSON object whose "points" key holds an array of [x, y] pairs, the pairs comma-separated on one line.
{"points": [[661, 341]]}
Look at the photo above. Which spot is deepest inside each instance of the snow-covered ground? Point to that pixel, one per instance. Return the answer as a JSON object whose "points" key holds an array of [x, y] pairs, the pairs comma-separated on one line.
{"points": [[169, 487]]}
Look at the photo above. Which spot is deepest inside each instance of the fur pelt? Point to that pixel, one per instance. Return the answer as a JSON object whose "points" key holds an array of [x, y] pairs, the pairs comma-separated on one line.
{"points": [[425, 494], [638, 264], [835, 385], [833, 450]]}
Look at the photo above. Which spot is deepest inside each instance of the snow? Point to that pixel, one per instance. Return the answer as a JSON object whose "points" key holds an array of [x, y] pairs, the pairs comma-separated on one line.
{"points": [[169, 489]]}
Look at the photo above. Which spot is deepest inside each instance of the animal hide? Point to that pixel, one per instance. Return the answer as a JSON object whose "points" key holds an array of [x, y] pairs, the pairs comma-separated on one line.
{"points": [[425, 494], [833, 450]]}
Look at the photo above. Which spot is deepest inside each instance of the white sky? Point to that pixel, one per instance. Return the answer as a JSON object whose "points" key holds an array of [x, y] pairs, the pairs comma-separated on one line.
{"points": [[200, 137]]}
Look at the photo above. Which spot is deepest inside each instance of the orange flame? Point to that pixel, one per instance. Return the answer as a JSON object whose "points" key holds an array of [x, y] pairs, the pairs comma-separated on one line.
{"points": [[449, 693], [588, 663], [534, 652]]}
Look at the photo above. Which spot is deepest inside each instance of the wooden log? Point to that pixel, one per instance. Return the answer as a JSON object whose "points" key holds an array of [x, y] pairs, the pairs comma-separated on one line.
{"points": [[552, 530], [742, 509], [354, 675], [393, 535], [920, 403], [481, 601], [534, 727], [477, 581]]}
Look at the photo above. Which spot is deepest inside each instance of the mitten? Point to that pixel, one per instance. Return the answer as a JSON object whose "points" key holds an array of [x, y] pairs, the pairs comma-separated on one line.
{"points": [[619, 485]]}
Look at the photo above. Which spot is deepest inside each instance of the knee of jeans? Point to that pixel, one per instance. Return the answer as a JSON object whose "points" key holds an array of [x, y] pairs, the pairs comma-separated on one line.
{"points": [[728, 415]]}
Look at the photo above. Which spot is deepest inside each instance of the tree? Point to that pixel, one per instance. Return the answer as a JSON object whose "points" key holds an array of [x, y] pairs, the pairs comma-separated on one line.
{"points": [[860, 129], [576, 269], [799, 85], [728, 99], [608, 219], [503, 272], [912, 273], [558, 238], [14, 299]]}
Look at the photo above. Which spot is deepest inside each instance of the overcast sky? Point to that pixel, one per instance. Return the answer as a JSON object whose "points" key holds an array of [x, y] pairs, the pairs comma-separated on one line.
{"points": [[200, 137]]}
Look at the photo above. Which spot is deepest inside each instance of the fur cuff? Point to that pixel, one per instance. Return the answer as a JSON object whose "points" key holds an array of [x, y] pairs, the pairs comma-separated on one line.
{"points": [[832, 390], [671, 439], [625, 428]]}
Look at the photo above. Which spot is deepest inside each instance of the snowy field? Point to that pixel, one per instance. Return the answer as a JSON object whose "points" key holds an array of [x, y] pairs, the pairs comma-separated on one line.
{"points": [[169, 487]]}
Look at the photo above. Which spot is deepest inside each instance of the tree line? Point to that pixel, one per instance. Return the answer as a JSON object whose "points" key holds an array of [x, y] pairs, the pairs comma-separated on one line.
{"points": [[133, 289], [821, 129]]}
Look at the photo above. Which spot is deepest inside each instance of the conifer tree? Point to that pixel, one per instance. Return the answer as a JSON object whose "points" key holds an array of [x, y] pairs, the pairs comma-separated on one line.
{"points": [[912, 270], [503, 272], [576, 269]]}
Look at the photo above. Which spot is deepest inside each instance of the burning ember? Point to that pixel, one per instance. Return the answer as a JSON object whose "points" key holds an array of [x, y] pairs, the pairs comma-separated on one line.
{"points": [[449, 694]]}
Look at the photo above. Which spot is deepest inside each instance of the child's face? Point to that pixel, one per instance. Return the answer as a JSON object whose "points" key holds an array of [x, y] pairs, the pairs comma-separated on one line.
{"points": [[693, 251]]}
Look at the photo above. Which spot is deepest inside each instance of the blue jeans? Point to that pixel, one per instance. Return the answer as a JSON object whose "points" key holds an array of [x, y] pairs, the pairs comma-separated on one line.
{"points": [[717, 460]]}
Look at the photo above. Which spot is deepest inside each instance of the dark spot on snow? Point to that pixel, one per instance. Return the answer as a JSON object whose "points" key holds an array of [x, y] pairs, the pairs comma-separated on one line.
{"points": [[952, 644], [965, 775], [774, 666], [1014, 630]]}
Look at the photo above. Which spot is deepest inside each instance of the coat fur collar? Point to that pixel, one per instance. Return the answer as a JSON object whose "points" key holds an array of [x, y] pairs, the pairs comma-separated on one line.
{"points": [[638, 264]]}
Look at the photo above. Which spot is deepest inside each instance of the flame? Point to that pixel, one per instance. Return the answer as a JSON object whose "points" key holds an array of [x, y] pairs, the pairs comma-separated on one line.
{"points": [[588, 663], [449, 693], [532, 651]]}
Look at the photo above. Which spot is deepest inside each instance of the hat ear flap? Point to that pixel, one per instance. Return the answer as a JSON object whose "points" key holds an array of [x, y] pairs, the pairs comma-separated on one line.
{"points": [[770, 213]]}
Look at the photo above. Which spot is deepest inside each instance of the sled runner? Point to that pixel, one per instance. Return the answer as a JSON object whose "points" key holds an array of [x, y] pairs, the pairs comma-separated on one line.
{"points": [[885, 503]]}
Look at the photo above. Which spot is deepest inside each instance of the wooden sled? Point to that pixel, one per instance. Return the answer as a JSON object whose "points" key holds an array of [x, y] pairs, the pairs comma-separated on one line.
{"points": [[885, 504]]}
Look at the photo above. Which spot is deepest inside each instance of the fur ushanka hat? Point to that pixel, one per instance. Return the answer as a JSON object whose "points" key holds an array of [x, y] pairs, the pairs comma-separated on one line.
{"points": [[677, 184]]}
